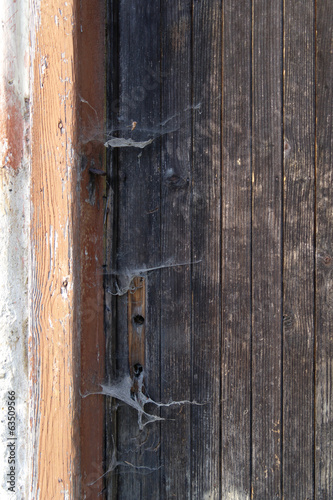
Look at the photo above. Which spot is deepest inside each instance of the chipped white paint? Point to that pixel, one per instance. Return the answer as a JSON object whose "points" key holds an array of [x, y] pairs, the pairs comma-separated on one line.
{"points": [[14, 239], [66, 494]]}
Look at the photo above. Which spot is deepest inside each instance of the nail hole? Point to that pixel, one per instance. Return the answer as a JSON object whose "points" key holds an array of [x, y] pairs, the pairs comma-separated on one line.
{"points": [[327, 260], [138, 319], [137, 369], [175, 181]]}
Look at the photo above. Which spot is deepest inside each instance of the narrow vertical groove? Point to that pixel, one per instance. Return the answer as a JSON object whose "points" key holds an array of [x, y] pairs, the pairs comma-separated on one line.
{"points": [[160, 259], [221, 244], [251, 261], [282, 233], [112, 66], [314, 245], [191, 237], [115, 158]]}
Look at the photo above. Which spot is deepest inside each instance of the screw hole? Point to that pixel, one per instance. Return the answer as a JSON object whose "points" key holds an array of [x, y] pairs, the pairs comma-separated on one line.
{"points": [[138, 319], [137, 369]]}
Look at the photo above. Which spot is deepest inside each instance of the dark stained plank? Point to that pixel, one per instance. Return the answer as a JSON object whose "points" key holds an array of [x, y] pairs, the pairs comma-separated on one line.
{"points": [[206, 243], [176, 240], [226, 91], [91, 47], [266, 248], [236, 251], [324, 251], [298, 254], [110, 219], [135, 115]]}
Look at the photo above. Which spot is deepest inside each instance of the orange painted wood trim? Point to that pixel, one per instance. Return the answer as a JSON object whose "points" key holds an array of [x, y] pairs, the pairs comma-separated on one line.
{"points": [[67, 344], [54, 343]]}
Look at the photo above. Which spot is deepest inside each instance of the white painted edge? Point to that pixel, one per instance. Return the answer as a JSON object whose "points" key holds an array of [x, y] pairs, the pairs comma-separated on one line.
{"points": [[14, 247]]}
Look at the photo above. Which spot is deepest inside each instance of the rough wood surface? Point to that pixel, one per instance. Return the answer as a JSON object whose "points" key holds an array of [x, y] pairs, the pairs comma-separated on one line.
{"points": [[91, 89], [175, 314], [206, 250], [236, 251], [324, 253], [298, 250], [54, 348], [266, 249], [236, 187], [134, 113], [110, 318], [136, 317]]}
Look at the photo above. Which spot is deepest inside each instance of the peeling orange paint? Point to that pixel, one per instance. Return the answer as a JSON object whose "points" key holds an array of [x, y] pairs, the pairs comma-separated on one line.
{"points": [[54, 343]]}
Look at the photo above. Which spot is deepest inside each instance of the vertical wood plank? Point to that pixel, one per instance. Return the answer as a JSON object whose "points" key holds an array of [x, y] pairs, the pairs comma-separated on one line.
{"points": [[91, 90], [206, 243], [236, 251], [136, 116], [111, 218], [266, 248], [298, 257], [54, 348], [176, 248], [324, 251], [179, 220]]}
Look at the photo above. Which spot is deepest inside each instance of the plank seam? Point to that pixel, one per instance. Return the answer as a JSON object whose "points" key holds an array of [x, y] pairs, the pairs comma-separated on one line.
{"points": [[282, 239], [221, 249], [251, 251], [315, 246]]}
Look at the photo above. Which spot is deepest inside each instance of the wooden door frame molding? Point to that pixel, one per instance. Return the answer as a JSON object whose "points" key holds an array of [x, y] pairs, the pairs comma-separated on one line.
{"points": [[67, 336]]}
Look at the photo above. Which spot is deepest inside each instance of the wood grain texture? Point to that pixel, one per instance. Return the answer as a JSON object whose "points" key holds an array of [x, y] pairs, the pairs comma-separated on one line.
{"points": [[176, 29], [135, 114], [206, 250], [324, 252], [266, 248], [136, 317], [298, 251], [110, 315], [235, 185], [54, 279], [91, 93], [236, 252]]}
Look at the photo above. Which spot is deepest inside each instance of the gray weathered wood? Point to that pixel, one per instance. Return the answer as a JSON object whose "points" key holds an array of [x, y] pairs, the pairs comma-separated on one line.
{"points": [[233, 184], [176, 247], [135, 114], [236, 252], [298, 252], [324, 252], [206, 248], [266, 249]]}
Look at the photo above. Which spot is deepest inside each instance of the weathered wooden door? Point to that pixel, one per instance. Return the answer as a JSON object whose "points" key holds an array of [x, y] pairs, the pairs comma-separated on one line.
{"points": [[219, 256], [177, 231]]}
